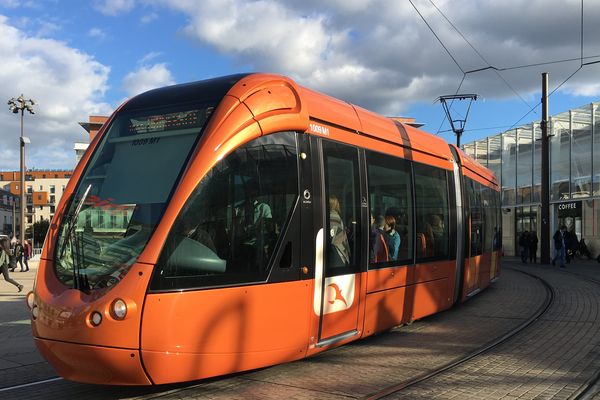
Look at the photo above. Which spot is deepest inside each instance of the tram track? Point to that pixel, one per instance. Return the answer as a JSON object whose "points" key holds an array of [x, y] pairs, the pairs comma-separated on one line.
{"points": [[544, 307], [592, 385]]}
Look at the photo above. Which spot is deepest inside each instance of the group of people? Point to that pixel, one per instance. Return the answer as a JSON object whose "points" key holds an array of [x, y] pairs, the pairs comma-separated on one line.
{"points": [[565, 246], [11, 256], [385, 239], [528, 245]]}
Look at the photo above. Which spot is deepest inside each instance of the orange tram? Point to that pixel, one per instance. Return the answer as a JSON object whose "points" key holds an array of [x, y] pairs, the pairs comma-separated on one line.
{"points": [[244, 221]]}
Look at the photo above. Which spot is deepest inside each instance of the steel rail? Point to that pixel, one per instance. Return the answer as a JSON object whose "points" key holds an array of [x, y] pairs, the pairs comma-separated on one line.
{"points": [[490, 345]]}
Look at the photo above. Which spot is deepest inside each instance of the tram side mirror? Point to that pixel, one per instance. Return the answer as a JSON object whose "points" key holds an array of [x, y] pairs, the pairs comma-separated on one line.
{"points": [[195, 258]]}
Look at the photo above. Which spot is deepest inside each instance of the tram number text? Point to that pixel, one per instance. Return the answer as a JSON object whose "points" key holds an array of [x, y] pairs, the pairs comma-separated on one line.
{"points": [[142, 142], [321, 130]]}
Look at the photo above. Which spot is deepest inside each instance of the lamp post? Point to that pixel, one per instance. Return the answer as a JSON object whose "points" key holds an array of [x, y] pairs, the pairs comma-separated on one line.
{"points": [[16, 105]]}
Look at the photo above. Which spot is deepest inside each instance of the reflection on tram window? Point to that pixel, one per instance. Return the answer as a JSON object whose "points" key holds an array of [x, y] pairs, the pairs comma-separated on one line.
{"points": [[123, 193], [474, 190], [228, 230], [431, 205], [390, 195], [342, 222]]}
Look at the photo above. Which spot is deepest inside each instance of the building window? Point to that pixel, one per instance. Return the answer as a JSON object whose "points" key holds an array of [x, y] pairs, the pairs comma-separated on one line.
{"points": [[52, 189], [52, 199], [43, 176], [29, 189], [56, 176], [41, 208], [29, 219], [52, 209], [67, 175]]}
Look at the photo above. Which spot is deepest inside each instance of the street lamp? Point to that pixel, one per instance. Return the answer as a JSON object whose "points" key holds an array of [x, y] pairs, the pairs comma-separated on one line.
{"points": [[16, 105]]}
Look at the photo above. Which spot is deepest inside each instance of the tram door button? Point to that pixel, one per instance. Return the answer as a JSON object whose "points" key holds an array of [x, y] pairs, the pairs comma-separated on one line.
{"points": [[303, 156]]}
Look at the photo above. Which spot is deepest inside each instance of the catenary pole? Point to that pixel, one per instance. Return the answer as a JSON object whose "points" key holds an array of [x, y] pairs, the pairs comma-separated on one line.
{"points": [[545, 233]]}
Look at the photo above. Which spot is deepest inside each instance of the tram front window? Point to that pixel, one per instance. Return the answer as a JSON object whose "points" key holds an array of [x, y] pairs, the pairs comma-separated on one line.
{"points": [[229, 228], [123, 193]]}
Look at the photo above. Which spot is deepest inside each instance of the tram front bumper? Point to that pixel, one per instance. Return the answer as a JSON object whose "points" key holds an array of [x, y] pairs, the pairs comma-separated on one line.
{"points": [[94, 364]]}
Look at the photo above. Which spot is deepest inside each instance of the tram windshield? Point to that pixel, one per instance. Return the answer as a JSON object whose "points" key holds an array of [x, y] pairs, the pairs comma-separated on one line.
{"points": [[123, 193]]}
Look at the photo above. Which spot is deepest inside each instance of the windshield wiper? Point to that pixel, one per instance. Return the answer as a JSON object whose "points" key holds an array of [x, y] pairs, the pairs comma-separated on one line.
{"points": [[69, 237]]}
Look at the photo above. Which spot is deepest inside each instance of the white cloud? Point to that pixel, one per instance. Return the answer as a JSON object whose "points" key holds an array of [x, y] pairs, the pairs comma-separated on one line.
{"points": [[146, 78], [149, 57], [97, 33], [147, 18], [18, 3], [379, 53], [68, 86], [114, 7]]}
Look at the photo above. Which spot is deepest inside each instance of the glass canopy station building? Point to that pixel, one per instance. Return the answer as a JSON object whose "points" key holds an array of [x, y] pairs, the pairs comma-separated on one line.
{"points": [[515, 157]]}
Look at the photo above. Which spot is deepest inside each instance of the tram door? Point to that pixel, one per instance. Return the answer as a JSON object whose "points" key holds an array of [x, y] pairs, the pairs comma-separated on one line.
{"points": [[339, 238]]}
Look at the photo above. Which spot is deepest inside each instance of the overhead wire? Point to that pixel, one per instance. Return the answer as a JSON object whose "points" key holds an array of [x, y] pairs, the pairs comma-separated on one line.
{"points": [[479, 54], [581, 32], [581, 65], [465, 73], [437, 37], [450, 106]]}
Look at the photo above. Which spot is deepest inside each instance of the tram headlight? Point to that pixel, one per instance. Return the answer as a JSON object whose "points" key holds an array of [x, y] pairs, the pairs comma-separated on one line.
{"points": [[119, 309], [96, 318], [30, 298], [35, 312]]}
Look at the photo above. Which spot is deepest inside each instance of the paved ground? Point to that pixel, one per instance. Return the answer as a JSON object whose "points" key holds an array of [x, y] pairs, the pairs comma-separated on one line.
{"points": [[551, 359]]}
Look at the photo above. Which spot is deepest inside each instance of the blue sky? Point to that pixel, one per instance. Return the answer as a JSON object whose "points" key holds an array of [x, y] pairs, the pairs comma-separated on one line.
{"points": [[80, 58]]}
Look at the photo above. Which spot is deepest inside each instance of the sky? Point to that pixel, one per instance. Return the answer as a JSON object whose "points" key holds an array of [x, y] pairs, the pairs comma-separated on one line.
{"points": [[79, 58]]}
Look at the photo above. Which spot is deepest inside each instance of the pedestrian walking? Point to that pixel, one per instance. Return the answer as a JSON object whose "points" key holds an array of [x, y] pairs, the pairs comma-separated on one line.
{"points": [[533, 246], [561, 243], [5, 261], [524, 246], [27, 252], [18, 253]]}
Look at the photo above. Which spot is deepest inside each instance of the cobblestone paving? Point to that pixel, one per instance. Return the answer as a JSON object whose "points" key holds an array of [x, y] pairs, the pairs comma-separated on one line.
{"points": [[550, 360]]}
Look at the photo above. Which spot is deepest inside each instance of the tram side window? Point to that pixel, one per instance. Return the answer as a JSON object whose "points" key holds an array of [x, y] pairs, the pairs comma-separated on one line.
{"points": [[487, 199], [390, 200], [431, 206], [228, 229], [497, 244], [476, 217]]}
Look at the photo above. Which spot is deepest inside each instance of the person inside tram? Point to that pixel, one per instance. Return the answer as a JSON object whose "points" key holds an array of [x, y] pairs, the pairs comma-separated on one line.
{"points": [[339, 254], [378, 251], [434, 230], [257, 226], [391, 237]]}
